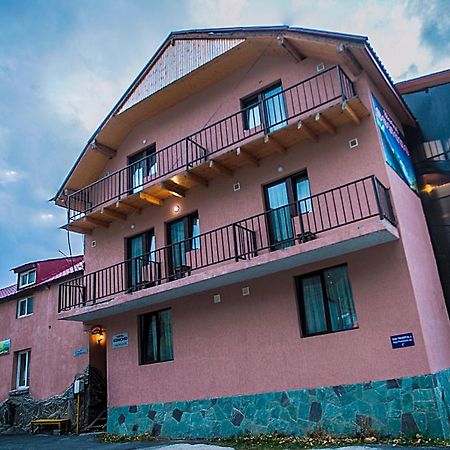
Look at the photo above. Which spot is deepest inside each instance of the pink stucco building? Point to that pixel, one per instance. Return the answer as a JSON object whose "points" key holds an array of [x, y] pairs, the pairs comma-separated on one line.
{"points": [[256, 251], [39, 355]]}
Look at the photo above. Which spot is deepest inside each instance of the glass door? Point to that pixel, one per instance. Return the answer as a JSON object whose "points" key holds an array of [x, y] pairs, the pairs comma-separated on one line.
{"points": [[142, 166], [274, 108], [280, 219], [140, 252]]}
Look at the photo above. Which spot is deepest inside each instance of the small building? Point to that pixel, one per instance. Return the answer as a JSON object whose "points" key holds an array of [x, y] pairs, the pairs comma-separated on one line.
{"points": [[255, 244], [40, 356]]}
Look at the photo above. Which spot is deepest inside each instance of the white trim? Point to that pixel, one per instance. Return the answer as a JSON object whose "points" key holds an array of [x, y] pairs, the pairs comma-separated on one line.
{"points": [[27, 301], [27, 273], [26, 354]]}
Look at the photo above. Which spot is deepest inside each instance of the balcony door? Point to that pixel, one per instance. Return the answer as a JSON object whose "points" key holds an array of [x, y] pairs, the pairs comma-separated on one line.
{"points": [[266, 109], [141, 260], [141, 167], [286, 199], [183, 237]]}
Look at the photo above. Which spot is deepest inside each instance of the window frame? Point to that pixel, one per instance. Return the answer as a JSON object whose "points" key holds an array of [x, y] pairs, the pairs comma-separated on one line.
{"points": [[141, 338], [149, 169], [27, 369], [27, 301], [27, 273], [257, 98], [301, 302]]}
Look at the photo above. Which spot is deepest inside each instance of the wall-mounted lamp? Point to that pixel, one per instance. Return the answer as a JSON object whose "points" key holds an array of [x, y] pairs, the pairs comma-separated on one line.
{"points": [[176, 209], [98, 331]]}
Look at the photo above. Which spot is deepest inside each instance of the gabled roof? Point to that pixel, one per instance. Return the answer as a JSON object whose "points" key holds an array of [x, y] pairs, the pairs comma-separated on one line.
{"points": [[47, 272], [186, 52]]}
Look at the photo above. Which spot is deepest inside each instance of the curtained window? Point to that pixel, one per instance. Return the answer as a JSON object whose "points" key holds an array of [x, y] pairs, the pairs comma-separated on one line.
{"points": [[326, 302], [156, 337]]}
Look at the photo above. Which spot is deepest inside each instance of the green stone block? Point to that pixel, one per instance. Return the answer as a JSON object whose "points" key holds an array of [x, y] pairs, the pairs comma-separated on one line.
{"points": [[275, 413], [423, 395], [425, 406], [261, 417], [426, 382], [435, 428]]}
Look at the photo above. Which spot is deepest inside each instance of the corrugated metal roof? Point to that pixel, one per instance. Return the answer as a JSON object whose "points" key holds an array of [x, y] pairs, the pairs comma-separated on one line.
{"points": [[8, 290]]}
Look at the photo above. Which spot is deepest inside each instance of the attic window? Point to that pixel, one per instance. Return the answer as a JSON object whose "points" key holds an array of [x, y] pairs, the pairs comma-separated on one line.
{"points": [[27, 278]]}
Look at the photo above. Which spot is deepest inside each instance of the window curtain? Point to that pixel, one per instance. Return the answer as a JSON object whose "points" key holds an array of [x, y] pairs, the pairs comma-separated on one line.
{"points": [[314, 306], [195, 233], [165, 336], [137, 248], [280, 219], [303, 195], [253, 116], [340, 299], [178, 248], [274, 109]]}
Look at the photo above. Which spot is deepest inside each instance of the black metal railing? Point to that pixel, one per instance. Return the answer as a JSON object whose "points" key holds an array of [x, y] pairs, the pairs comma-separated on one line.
{"points": [[275, 229], [268, 115]]}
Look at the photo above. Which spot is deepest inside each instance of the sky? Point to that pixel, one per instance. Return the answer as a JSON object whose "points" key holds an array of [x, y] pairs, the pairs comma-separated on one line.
{"points": [[65, 63]]}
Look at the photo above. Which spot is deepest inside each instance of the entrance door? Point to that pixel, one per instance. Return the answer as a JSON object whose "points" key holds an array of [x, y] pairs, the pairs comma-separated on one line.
{"points": [[182, 237], [140, 253], [286, 199], [142, 166]]}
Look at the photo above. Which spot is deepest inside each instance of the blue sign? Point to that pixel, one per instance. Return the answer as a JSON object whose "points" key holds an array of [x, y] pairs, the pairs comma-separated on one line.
{"points": [[402, 340], [395, 150], [80, 351], [120, 340]]}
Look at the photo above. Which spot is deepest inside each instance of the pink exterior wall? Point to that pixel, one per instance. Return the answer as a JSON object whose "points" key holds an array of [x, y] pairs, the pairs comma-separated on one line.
{"points": [[252, 344], [52, 341]]}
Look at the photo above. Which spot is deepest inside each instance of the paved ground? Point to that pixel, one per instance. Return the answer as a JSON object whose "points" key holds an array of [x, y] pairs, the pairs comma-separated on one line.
{"points": [[88, 442]]}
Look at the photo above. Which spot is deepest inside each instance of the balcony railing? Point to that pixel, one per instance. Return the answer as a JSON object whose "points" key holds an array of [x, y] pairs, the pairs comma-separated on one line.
{"points": [[271, 230], [268, 115]]}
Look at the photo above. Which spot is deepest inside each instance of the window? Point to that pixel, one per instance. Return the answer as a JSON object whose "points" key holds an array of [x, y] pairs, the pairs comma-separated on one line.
{"points": [[287, 198], [142, 265], [27, 278], [183, 236], [266, 109], [326, 302], [142, 165], [155, 331], [25, 307], [23, 369]]}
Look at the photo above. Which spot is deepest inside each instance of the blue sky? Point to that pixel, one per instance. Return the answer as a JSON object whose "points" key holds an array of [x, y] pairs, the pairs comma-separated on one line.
{"points": [[64, 63]]}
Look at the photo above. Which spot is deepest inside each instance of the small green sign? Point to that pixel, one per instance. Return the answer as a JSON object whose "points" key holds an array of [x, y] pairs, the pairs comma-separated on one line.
{"points": [[5, 346]]}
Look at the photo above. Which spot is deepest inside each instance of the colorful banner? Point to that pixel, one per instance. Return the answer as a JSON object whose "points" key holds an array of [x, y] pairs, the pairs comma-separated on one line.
{"points": [[5, 346], [395, 150]]}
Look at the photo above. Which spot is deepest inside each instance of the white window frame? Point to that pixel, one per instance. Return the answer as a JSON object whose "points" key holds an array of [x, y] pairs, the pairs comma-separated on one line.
{"points": [[27, 273], [27, 301], [27, 355]]}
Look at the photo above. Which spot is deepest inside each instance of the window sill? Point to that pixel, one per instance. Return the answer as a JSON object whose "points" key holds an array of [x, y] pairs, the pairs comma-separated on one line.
{"points": [[25, 315], [19, 391]]}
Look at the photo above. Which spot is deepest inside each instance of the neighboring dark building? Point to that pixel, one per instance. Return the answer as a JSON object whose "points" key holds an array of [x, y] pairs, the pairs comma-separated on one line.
{"points": [[428, 97]]}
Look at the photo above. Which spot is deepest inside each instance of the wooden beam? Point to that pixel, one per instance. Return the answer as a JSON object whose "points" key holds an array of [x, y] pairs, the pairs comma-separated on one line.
{"points": [[350, 112], [150, 199], [127, 207], [220, 168], [349, 59], [247, 156], [103, 149], [307, 131], [291, 49], [196, 178], [175, 189], [97, 222], [115, 215], [325, 124], [279, 148]]}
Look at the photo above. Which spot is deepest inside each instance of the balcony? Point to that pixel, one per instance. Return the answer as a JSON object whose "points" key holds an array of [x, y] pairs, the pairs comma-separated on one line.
{"points": [[275, 238], [317, 105]]}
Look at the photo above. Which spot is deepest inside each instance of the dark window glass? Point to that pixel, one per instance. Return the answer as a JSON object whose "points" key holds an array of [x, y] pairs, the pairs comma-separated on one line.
{"points": [[286, 198], [142, 167], [183, 236], [326, 302], [156, 337], [265, 110]]}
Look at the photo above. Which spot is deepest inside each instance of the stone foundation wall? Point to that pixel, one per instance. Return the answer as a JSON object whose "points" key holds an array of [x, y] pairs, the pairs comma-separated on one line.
{"points": [[391, 407]]}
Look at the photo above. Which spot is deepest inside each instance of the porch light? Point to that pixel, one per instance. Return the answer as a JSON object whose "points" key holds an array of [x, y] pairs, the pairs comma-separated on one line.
{"points": [[176, 209], [99, 332], [428, 188]]}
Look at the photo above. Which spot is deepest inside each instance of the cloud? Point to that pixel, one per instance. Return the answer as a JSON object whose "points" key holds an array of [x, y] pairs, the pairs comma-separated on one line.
{"points": [[8, 176]]}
